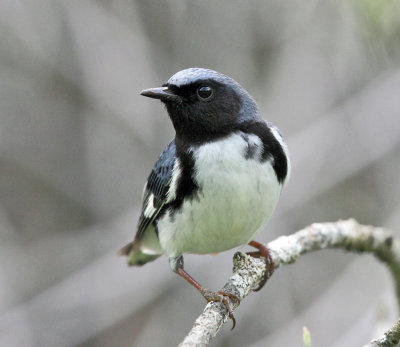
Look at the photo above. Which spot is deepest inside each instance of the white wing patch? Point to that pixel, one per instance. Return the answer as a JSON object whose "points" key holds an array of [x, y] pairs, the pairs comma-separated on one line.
{"points": [[150, 209], [176, 172]]}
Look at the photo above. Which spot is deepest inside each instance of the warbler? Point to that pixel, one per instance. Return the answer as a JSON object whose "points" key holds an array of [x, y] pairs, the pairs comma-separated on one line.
{"points": [[217, 182]]}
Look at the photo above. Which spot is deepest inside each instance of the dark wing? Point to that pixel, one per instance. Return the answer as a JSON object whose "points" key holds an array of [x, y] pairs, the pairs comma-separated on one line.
{"points": [[156, 190]]}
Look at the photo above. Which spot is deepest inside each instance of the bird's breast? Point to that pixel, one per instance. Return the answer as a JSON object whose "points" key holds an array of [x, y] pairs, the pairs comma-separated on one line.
{"points": [[236, 196]]}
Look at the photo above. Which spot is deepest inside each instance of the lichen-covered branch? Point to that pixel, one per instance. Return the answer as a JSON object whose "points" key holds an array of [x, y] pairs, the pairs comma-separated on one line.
{"points": [[390, 338], [248, 271]]}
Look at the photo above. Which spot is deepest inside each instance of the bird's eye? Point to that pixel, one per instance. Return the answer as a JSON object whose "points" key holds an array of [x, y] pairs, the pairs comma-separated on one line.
{"points": [[205, 92]]}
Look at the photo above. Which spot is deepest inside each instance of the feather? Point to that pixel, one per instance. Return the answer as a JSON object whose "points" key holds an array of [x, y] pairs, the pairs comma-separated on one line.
{"points": [[157, 189]]}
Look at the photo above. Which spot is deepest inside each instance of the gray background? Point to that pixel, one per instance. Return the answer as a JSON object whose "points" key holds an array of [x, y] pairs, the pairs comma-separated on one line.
{"points": [[77, 142]]}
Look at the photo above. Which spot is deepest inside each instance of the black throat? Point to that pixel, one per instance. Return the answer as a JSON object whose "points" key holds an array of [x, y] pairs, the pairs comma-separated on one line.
{"points": [[195, 129]]}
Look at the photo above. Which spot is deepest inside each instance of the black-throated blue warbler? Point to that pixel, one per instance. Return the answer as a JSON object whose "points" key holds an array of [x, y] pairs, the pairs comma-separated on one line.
{"points": [[217, 182]]}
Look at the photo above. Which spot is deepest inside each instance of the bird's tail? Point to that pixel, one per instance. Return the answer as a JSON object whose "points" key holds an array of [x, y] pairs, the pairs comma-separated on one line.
{"points": [[135, 256]]}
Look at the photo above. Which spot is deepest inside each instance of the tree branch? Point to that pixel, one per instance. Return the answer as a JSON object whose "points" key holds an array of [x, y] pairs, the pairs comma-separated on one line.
{"points": [[390, 338], [248, 271]]}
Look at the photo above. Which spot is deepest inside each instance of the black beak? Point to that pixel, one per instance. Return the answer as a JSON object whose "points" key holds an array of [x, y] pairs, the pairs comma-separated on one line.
{"points": [[162, 93]]}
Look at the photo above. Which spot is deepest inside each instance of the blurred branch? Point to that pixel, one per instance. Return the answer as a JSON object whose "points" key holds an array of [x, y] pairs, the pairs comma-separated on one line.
{"points": [[390, 338], [248, 272]]}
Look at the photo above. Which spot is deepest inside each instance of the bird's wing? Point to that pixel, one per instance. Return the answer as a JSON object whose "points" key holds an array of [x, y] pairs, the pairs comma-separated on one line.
{"points": [[156, 191]]}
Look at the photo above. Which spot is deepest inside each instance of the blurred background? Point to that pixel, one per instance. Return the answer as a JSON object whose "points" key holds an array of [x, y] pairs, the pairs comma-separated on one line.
{"points": [[77, 143]]}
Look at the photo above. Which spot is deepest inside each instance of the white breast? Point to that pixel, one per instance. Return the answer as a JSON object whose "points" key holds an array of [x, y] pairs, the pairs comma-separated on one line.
{"points": [[236, 198]]}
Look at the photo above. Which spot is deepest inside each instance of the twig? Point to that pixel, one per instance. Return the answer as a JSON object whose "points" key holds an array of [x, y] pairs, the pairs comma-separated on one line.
{"points": [[247, 271]]}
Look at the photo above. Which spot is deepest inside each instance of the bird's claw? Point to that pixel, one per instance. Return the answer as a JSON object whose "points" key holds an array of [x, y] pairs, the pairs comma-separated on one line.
{"points": [[222, 297], [263, 252]]}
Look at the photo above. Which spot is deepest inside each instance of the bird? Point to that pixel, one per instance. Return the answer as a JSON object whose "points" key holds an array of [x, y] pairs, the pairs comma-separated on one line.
{"points": [[216, 184]]}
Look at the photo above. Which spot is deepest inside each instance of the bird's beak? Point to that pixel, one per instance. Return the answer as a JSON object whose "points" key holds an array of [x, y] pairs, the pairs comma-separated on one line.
{"points": [[162, 93]]}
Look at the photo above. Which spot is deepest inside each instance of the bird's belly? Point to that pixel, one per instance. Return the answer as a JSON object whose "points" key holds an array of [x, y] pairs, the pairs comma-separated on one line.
{"points": [[235, 200]]}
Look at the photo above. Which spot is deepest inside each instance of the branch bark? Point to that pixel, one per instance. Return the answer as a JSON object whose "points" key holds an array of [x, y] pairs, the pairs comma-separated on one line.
{"points": [[390, 338], [249, 271]]}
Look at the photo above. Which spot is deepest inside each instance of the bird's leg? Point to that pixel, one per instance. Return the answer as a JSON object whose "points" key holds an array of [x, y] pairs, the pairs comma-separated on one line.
{"points": [[263, 252], [176, 264]]}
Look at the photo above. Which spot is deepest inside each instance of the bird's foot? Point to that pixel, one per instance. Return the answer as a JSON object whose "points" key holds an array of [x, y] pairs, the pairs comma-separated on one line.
{"points": [[263, 252], [222, 297]]}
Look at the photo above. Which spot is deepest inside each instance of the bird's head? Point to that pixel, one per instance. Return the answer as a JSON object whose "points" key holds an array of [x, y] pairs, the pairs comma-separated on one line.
{"points": [[204, 104]]}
